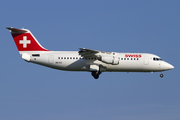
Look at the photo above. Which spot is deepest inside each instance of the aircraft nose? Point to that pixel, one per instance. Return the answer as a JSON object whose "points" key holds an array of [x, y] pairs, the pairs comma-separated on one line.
{"points": [[169, 66]]}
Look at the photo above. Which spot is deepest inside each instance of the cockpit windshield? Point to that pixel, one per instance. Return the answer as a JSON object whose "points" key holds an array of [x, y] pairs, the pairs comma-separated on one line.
{"points": [[157, 59]]}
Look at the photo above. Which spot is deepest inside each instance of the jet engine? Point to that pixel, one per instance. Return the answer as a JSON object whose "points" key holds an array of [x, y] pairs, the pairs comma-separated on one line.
{"points": [[109, 60]]}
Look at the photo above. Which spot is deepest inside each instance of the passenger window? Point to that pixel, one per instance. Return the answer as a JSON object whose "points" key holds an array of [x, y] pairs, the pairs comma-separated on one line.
{"points": [[124, 58], [121, 58], [64, 57], [127, 58], [61, 57]]}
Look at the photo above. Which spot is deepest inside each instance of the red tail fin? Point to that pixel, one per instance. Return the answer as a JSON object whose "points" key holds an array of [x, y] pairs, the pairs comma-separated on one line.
{"points": [[25, 41]]}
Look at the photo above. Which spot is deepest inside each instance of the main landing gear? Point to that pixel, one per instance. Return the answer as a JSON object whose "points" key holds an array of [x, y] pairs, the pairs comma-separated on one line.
{"points": [[161, 75], [95, 74]]}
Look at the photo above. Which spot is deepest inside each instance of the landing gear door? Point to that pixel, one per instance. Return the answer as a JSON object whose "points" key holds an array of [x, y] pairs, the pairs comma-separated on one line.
{"points": [[146, 60], [94, 68]]}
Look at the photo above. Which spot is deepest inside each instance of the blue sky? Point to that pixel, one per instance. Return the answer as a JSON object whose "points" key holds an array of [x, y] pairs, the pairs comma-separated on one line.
{"points": [[29, 91]]}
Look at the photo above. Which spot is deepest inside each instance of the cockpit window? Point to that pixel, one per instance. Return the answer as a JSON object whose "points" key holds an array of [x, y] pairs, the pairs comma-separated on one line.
{"points": [[157, 59]]}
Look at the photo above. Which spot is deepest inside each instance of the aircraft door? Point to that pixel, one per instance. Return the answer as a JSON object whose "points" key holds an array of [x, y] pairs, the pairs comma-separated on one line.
{"points": [[51, 59], [146, 60]]}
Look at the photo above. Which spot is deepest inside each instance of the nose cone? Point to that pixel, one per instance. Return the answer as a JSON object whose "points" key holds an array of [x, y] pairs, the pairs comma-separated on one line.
{"points": [[170, 66], [165, 66]]}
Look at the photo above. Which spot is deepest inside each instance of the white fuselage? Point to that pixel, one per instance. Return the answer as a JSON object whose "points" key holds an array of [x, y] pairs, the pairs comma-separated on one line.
{"points": [[72, 61]]}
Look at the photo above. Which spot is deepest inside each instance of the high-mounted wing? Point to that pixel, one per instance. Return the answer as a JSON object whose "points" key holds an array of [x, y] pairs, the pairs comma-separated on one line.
{"points": [[88, 52], [106, 57]]}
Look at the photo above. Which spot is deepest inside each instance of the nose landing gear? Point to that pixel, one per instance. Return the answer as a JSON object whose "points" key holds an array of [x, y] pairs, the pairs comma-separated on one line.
{"points": [[161, 75]]}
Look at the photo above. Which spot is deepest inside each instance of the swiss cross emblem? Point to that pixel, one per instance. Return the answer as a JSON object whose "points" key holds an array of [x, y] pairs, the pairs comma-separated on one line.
{"points": [[25, 42]]}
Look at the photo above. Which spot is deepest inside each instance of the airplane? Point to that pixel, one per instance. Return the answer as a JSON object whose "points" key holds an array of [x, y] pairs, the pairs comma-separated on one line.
{"points": [[93, 61]]}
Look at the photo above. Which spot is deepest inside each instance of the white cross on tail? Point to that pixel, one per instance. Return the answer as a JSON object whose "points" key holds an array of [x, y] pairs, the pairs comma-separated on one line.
{"points": [[25, 42]]}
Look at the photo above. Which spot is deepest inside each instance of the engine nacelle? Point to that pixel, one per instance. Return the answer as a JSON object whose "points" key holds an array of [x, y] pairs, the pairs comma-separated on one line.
{"points": [[110, 60]]}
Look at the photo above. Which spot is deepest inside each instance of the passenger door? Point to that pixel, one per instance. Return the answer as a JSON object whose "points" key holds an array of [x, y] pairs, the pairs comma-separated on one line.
{"points": [[51, 59], [146, 60]]}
